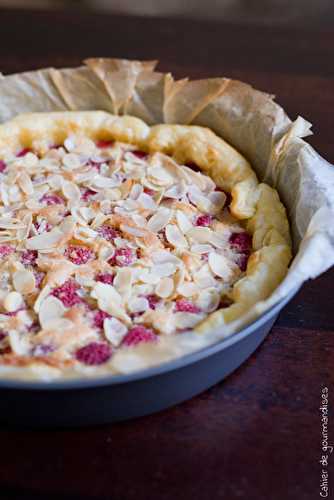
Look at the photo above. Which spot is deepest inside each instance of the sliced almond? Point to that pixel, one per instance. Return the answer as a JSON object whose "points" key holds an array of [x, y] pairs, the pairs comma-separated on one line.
{"points": [[159, 176], [73, 161], [220, 266], [159, 220], [24, 281], [164, 288], [187, 289], [208, 300], [187, 320], [123, 282], [183, 222], [175, 237], [71, 191], [51, 309], [162, 270], [146, 201], [25, 184], [45, 240], [13, 301], [114, 330], [199, 234], [138, 304]]}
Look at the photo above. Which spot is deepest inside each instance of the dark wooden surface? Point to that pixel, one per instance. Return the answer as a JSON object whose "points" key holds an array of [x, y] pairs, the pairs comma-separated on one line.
{"points": [[257, 434]]}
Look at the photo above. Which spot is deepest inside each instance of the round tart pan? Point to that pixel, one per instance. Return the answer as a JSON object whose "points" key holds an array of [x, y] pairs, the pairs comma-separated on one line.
{"points": [[120, 397]]}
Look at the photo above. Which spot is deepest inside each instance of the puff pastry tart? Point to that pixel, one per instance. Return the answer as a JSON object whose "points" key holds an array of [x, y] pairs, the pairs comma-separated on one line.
{"points": [[114, 235]]}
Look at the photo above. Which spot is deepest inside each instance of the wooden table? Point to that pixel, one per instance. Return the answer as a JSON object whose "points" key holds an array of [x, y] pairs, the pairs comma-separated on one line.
{"points": [[256, 435]]}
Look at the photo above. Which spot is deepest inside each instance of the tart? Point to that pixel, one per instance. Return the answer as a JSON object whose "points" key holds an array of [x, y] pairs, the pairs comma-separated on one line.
{"points": [[116, 236]]}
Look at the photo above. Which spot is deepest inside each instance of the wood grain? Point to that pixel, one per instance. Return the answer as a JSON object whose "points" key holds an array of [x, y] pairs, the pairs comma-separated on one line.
{"points": [[257, 434]]}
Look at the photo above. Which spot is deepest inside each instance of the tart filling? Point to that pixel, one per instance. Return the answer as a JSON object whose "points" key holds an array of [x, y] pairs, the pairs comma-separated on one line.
{"points": [[105, 246]]}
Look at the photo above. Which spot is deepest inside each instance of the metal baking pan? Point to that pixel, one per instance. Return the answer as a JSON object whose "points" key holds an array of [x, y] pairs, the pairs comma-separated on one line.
{"points": [[120, 397]]}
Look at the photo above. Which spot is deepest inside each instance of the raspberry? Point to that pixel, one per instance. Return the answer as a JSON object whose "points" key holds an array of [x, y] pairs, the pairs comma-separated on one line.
{"points": [[2, 166], [94, 353], [87, 194], [23, 152], [104, 144], [108, 232], [105, 278], [29, 257], [241, 242], [67, 293], [122, 257], [183, 305], [242, 262], [39, 277], [79, 255], [139, 334], [152, 301], [6, 250], [139, 154], [204, 220], [52, 199], [99, 317]]}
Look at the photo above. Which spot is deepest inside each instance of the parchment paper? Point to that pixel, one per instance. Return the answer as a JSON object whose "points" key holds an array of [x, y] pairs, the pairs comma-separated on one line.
{"points": [[250, 120]]}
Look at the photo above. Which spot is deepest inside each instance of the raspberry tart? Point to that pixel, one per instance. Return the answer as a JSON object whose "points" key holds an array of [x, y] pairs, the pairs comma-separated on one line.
{"points": [[118, 239]]}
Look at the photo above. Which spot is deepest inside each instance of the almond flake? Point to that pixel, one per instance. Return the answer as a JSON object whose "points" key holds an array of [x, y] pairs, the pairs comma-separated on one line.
{"points": [[71, 160], [24, 281], [163, 256], [147, 202], [162, 270], [159, 220], [164, 288], [187, 289], [114, 331], [201, 248], [175, 237], [138, 304], [51, 309], [183, 222], [220, 266], [25, 184], [208, 300], [45, 241], [13, 301], [203, 277], [134, 231], [42, 296], [110, 301], [187, 320], [159, 176], [123, 282], [136, 191], [71, 191], [200, 234]]}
